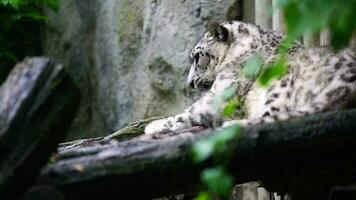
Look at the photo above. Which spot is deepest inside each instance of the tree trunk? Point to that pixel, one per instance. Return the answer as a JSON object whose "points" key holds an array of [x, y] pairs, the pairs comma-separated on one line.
{"points": [[38, 102]]}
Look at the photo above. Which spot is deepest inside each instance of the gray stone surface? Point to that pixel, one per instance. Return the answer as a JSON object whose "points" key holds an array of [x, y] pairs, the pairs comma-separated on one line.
{"points": [[129, 57]]}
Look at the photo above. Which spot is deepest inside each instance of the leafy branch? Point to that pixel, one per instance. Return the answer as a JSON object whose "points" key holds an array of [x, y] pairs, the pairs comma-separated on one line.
{"points": [[309, 17], [19, 30]]}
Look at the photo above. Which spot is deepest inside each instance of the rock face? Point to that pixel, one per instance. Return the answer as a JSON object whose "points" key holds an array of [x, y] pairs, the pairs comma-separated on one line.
{"points": [[129, 57]]}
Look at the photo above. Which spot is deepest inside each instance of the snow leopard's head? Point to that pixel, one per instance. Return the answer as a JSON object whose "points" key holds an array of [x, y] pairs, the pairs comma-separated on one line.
{"points": [[222, 43]]}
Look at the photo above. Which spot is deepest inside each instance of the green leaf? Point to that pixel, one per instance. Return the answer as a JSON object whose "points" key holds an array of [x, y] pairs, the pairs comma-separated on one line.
{"points": [[215, 144], [223, 97], [252, 67], [294, 22], [203, 196], [202, 150], [228, 94], [218, 181], [12, 3], [342, 29], [230, 108], [275, 71], [223, 136]]}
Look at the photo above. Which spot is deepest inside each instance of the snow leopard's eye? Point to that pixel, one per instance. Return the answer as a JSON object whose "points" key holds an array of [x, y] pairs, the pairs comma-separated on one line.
{"points": [[201, 59]]}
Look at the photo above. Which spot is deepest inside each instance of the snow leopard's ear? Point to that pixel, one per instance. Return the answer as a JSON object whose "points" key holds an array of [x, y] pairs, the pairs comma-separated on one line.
{"points": [[218, 31]]}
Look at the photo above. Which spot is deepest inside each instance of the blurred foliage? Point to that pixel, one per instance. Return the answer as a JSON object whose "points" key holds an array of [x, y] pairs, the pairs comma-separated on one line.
{"points": [[273, 71], [302, 17], [218, 181], [203, 196], [308, 17], [225, 96], [20, 23], [312, 16], [252, 67], [30, 6], [229, 105], [218, 148]]}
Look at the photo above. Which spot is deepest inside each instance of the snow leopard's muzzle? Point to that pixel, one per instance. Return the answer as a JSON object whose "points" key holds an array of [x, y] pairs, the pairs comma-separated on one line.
{"points": [[202, 83], [199, 80]]}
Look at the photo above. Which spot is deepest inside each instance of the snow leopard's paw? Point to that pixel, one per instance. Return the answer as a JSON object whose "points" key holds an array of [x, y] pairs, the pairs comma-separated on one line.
{"points": [[165, 126], [157, 126]]}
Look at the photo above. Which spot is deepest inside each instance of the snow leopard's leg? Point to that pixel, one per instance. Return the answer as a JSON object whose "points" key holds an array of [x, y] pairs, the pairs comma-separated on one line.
{"points": [[201, 113]]}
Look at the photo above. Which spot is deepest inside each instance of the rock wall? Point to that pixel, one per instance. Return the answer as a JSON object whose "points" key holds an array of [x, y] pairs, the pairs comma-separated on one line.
{"points": [[129, 57]]}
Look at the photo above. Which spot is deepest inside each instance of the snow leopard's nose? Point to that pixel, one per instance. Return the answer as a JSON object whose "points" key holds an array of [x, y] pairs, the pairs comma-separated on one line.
{"points": [[190, 79], [191, 84]]}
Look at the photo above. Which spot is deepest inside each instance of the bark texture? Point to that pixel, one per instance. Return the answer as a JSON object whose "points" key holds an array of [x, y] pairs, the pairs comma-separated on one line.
{"points": [[304, 157], [38, 102]]}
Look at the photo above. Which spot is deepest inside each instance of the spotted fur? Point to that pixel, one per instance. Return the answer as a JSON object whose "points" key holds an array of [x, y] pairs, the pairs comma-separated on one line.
{"points": [[317, 80]]}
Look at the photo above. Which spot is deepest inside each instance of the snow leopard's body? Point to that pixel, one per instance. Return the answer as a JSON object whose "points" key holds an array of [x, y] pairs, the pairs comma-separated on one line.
{"points": [[317, 79]]}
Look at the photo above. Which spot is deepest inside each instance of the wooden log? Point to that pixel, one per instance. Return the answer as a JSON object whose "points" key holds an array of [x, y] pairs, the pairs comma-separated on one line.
{"points": [[38, 102], [301, 156], [43, 193]]}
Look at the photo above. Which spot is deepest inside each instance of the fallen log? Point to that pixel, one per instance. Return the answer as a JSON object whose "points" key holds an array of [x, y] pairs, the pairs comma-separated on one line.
{"points": [[305, 156], [38, 102]]}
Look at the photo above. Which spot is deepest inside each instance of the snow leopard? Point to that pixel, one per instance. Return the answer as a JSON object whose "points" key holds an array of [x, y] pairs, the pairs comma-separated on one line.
{"points": [[317, 80]]}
